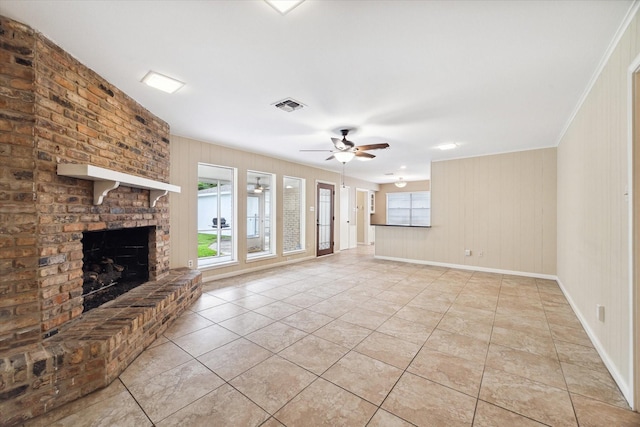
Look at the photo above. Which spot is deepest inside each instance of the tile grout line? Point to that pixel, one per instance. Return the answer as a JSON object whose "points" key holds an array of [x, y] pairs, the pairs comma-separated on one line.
{"points": [[353, 349]]}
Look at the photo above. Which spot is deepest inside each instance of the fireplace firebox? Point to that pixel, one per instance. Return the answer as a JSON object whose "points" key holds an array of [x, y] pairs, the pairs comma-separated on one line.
{"points": [[114, 262]]}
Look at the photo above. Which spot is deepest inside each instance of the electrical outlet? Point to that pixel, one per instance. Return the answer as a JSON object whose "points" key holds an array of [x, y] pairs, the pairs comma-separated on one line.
{"points": [[600, 312], [467, 252], [190, 263], [481, 253]]}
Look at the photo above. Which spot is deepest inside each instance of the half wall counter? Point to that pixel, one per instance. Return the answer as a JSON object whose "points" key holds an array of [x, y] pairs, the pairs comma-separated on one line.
{"points": [[401, 242]]}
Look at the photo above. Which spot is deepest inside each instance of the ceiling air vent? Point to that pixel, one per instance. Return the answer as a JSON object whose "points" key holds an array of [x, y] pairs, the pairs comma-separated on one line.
{"points": [[289, 105]]}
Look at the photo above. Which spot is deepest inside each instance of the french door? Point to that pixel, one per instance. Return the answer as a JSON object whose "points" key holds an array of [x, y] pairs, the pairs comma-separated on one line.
{"points": [[325, 219]]}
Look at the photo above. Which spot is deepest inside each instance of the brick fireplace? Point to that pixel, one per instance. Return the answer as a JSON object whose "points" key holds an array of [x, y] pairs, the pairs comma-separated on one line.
{"points": [[56, 111]]}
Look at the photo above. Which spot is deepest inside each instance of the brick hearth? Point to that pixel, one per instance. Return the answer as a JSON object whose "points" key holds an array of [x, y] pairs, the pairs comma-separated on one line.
{"points": [[55, 110], [93, 350]]}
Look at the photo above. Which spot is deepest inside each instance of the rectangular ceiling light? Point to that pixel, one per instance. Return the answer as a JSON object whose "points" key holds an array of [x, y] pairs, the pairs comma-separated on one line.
{"points": [[162, 82], [283, 6]]}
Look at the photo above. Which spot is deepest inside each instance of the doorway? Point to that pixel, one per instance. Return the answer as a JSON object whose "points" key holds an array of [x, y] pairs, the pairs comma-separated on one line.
{"points": [[345, 218], [362, 216], [325, 219]]}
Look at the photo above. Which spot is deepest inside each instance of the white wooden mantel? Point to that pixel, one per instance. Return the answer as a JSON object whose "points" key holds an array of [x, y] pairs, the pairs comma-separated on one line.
{"points": [[105, 180]]}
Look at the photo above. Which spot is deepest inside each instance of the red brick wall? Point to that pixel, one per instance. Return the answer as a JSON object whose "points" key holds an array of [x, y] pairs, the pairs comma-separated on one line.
{"points": [[62, 112], [19, 307]]}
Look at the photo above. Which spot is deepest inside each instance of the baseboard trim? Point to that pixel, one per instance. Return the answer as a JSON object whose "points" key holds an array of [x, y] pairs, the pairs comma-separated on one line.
{"points": [[470, 267], [615, 374]]}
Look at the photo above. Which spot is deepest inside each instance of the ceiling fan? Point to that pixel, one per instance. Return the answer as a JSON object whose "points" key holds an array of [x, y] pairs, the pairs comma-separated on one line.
{"points": [[346, 150], [258, 188]]}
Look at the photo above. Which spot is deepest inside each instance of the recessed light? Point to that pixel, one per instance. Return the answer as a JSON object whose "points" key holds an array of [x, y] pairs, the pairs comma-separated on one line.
{"points": [[162, 82], [403, 167], [447, 146], [283, 6]]}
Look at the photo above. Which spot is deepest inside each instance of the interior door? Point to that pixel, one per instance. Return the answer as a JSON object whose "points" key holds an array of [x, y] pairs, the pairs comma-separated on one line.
{"points": [[325, 219], [344, 218], [363, 209]]}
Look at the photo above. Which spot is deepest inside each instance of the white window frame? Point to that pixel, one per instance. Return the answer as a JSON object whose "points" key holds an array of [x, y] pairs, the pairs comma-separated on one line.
{"points": [[412, 221], [223, 260]]}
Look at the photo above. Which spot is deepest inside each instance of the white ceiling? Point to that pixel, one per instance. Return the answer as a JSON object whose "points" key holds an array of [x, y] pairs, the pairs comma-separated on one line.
{"points": [[492, 76]]}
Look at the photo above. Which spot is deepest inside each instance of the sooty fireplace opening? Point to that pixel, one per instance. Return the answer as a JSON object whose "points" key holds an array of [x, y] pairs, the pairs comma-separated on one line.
{"points": [[114, 262]]}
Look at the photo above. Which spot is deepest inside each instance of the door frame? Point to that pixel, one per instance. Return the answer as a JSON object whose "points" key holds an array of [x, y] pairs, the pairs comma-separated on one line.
{"points": [[332, 187], [366, 216], [633, 115], [345, 217]]}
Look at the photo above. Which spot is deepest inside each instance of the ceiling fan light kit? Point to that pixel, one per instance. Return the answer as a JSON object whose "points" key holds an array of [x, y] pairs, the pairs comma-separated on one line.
{"points": [[344, 156], [258, 188]]}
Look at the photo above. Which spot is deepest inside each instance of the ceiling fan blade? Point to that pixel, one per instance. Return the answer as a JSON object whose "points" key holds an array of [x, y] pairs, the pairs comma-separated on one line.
{"points": [[372, 146], [338, 143], [329, 158], [348, 143], [363, 154]]}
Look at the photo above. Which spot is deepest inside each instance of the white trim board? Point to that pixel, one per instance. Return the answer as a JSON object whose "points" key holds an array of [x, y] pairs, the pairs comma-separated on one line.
{"points": [[631, 13], [611, 367], [469, 267], [633, 68], [208, 279]]}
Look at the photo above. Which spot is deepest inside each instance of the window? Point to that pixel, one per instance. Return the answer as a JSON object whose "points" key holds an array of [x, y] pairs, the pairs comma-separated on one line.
{"points": [[260, 214], [216, 206], [293, 214], [409, 208]]}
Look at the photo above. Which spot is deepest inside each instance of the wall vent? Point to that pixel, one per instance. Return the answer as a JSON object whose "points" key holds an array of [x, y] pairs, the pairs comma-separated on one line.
{"points": [[289, 105]]}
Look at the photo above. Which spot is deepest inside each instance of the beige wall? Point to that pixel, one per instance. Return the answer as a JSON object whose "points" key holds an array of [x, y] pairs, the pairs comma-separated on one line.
{"points": [[185, 156], [501, 205], [593, 220], [380, 216]]}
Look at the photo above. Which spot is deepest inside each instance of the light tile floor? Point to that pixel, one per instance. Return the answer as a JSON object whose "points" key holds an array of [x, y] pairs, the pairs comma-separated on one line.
{"points": [[347, 340]]}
